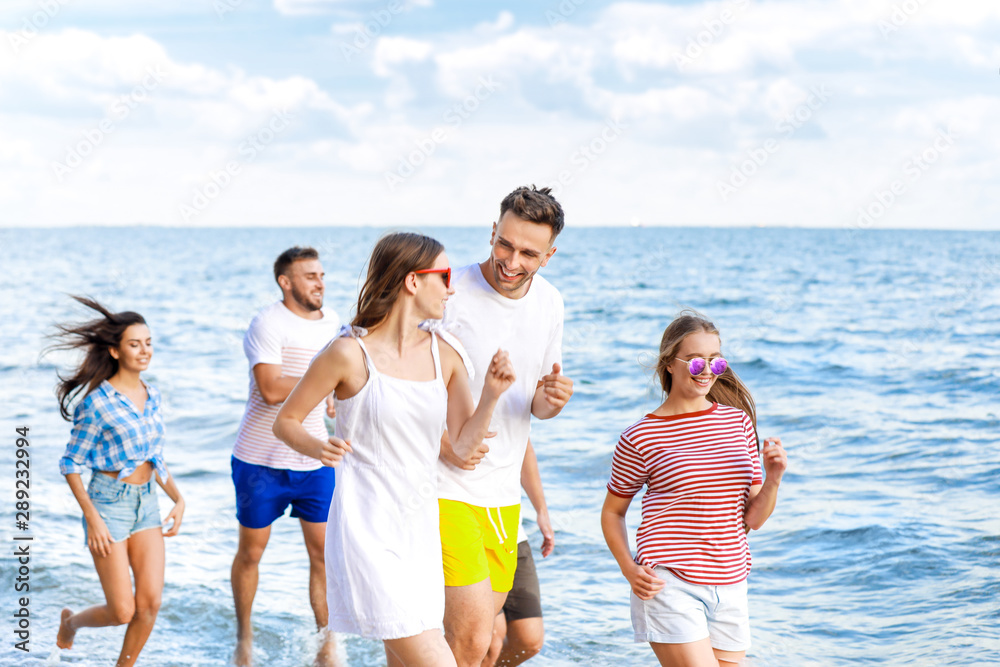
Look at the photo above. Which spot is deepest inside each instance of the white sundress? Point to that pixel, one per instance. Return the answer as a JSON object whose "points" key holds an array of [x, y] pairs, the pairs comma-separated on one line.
{"points": [[384, 577]]}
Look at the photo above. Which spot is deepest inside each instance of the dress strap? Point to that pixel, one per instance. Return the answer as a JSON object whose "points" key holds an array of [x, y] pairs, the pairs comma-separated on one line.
{"points": [[368, 358], [436, 353], [356, 333], [437, 327]]}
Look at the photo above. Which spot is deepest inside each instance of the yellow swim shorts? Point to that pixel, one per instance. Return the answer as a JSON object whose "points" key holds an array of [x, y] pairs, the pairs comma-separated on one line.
{"points": [[479, 542]]}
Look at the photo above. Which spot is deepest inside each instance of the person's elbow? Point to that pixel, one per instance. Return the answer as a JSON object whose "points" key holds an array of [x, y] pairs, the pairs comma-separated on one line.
{"points": [[278, 428], [270, 396], [754, 520]]}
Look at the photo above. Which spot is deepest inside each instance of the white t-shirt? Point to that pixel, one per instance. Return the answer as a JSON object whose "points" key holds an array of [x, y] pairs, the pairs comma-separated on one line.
{"points": [[530, 330], [521, 535], [279, 336]]}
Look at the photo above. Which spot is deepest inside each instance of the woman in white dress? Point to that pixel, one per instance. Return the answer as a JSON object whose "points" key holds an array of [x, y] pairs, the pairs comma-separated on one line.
{"points": [[397, 389]]}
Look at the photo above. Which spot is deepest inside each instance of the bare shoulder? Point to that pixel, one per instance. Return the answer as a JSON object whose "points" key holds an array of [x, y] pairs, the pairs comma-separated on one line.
{"points": [[342, 351], [450, 358]]}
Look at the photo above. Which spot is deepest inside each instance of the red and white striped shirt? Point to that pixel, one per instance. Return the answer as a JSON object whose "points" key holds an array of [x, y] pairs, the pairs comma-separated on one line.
{"points": [[698, 468], [279, 336]]}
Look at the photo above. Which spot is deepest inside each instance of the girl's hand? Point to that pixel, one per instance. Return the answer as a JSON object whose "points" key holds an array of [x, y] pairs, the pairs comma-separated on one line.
{"points": [[775, 459], [98, 536], [500, 375], [645, 583], [175, 516], [333, 451]]}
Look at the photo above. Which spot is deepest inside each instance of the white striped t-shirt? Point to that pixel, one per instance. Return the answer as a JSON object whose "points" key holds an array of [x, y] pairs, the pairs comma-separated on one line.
{"points": [[698, 468], [279, 336]]}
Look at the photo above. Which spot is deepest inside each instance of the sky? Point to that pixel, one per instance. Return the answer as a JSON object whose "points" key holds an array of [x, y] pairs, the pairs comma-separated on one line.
{"points": [[870, 114]]}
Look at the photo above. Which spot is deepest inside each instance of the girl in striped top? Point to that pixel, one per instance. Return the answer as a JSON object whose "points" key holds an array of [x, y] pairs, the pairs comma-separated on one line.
{"points": [[697, 454]]}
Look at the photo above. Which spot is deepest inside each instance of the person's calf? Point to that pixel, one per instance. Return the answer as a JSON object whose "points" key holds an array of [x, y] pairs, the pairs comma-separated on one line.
{"points": [[496, 645], [515, 654]]}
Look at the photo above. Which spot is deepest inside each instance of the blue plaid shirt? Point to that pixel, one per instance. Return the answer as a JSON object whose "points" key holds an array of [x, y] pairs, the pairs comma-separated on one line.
{"points": [[110, 434]]}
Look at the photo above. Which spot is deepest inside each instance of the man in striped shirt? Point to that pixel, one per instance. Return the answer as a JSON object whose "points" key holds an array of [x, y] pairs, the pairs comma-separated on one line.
{"points": [[268, 475]]}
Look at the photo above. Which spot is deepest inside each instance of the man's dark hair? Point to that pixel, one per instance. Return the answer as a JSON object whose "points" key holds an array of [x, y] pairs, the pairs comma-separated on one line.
{"points": [[535, 205], [290, 256]]}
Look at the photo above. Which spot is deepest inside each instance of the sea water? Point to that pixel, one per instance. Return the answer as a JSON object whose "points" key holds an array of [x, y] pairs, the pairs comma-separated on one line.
{"points": [[875, 355]]}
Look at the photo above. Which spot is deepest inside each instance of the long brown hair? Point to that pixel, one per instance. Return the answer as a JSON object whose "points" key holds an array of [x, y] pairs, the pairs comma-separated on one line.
{"points": [[728, 388], [95, 337], [393, 258]]}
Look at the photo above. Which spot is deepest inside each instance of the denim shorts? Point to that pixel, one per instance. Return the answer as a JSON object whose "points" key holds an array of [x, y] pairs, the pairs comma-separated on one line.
{"points": [[683, 612], [125, 508]]}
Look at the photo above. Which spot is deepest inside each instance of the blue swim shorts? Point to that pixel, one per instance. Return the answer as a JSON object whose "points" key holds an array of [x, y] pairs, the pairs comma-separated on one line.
{"points": [[263, 494], [125, 508]]}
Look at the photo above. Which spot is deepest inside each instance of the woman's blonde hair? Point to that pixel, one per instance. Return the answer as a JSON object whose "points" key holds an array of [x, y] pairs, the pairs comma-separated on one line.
{"points": [[728, 388]]}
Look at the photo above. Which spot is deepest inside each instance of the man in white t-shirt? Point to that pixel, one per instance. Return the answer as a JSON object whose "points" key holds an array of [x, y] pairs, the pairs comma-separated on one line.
{"points": [[500, 303], [268, 474]]}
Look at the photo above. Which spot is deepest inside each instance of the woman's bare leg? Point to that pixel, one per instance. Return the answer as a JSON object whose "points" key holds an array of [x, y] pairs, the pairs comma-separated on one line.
{"points": [[691, 654], [428, 649], [729, 658], [119, 605], [145, 553]]}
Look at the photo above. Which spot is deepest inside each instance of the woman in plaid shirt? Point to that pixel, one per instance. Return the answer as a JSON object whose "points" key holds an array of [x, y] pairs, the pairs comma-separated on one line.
{"points": [[118, 434]]}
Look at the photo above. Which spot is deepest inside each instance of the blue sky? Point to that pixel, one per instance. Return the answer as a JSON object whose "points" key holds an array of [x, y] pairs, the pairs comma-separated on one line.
{"points": [[838, 113]]}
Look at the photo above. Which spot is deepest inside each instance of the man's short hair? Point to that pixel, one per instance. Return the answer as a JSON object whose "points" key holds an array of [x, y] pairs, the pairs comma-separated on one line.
{"points": [[290, 256], [535, 205]]}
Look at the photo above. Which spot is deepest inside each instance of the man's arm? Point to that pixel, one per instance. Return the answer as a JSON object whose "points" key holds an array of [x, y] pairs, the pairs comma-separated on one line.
{"points": [[531, 482], [551, 394], [273, 386]]}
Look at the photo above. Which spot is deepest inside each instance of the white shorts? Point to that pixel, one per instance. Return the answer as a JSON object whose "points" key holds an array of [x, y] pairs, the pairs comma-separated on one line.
{"points": [[681, 613]]}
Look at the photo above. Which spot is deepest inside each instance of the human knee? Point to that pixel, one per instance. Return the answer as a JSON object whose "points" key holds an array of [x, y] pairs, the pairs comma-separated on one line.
{"points": [[470, 647], [148, 605], [527, 643], [249, 555], [122, 611]]}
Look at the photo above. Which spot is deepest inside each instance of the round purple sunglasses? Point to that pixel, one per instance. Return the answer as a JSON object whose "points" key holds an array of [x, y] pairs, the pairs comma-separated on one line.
{"points": [[696, 366]]}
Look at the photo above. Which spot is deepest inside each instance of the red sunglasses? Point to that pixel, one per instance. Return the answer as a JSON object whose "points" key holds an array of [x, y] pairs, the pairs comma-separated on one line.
{"points": [[445, 274]]}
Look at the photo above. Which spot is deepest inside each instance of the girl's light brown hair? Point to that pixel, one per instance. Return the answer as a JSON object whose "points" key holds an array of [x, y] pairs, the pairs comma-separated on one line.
{"points": [[393, 258], [728, 388]]}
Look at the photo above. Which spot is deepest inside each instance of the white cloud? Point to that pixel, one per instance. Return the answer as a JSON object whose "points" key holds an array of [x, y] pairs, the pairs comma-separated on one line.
{"points": [[116, 131], [313, 7], [811, 98], [391, 51]]}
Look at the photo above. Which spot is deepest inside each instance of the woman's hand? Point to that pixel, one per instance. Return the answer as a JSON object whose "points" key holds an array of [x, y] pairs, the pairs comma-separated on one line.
{"points": [[645, 584], [333, 451], [469, 459], [175, 516], [775, 459], [98, 536], [500, 375]]}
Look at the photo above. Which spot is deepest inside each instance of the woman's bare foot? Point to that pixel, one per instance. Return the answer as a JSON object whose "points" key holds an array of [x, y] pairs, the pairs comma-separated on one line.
{"points": [[66, 634]]}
